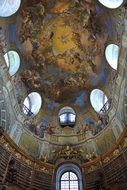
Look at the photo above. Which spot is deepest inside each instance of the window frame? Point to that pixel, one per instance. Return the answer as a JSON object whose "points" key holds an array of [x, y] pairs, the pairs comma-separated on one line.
{"points": [[69, 180], [67, 111], [28, 109]]}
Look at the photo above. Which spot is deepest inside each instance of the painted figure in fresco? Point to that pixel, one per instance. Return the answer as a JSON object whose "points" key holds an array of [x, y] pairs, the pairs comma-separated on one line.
{"points": [[3, 44], [63, 44], [88, 5], [50, 130], [31, 79], [92, 25]]}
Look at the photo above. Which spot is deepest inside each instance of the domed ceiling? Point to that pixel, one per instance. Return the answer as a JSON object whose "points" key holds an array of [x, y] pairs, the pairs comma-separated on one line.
{"points": [[64, 53], [62, 46]]}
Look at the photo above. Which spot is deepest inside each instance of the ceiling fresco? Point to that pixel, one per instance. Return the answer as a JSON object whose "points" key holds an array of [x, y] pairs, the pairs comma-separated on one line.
{"points": [[65, 54], [62, 45]]}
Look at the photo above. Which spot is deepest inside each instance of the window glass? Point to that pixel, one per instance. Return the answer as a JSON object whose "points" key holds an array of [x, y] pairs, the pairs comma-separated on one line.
{"points": [[69, 177], [63, 118], [73, 176], [9, 7], [12, 61], [99, 100], [112, 55], [32, 104], [65, 176], [111, 3], [69, 181], [67, 116], [71, 117]]}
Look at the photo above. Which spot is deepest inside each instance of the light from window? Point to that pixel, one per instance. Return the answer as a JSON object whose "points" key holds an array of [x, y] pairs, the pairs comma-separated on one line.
{"points": [[69, 177], [69, 181], [112, 4], [71, 117], [67, 116], [32, 104], [112, 55], [12, 61], [63, 118], [99, 100], [9, 7]]}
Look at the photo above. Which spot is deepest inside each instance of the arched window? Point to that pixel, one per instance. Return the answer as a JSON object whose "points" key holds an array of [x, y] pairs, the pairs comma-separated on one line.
{"points": [[99, 101], [112, 55], [112, 4], [69, 177], [9, 7], [12, 61], [32, 104], [69, 181], [67, 117]]}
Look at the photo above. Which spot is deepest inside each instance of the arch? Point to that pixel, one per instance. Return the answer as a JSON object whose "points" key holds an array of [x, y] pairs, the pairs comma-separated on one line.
{"points": [[112, 55], [67, 116], [69, 180], [12, 60], [68, 167], [9, 7], [112, 4], [32, 104], [98, 99]]}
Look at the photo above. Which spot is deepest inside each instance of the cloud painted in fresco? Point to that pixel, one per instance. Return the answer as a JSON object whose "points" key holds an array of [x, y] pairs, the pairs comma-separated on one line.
{"points": [[80, 100], [101, 78]]}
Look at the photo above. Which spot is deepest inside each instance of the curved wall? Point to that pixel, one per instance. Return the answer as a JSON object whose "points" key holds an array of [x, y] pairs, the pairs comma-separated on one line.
{"points": [[29, 173], [13, 120], [34, 145]]}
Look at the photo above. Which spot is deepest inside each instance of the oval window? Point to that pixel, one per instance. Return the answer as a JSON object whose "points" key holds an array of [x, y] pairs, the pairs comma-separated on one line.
{"points": [[99, 101], [9, 7], [32, 104], [67, 117], [13, 61], [112, 4], [112, 55]]}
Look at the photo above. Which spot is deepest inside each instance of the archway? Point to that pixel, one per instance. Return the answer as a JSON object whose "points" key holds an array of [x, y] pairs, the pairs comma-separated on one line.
{"points": [[69, 175]]}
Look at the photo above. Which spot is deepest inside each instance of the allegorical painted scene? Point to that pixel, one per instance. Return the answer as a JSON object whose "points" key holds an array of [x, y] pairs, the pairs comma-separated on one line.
{"points": [[60, 48]]}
